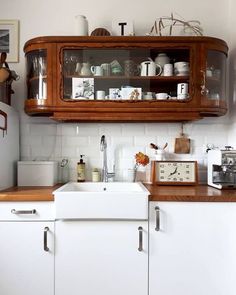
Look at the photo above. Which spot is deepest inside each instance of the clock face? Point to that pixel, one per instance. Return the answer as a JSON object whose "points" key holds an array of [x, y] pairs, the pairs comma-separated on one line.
{"points": [[176, 172]]}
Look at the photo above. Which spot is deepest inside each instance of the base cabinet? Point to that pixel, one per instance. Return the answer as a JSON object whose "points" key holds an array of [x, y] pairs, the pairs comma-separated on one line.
{"points": [[101, 257], [25, 267], [192, 248]]}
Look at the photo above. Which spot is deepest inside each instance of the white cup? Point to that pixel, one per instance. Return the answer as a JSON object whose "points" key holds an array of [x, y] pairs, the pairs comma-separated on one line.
{"points": [[100, 94], [162, 95], [168, 70], [182, 91], [148, 95], [97, 70]]}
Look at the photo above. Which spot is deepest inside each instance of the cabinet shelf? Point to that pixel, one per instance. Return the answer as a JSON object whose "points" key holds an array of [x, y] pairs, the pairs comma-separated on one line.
{"points": [[145, 78]]}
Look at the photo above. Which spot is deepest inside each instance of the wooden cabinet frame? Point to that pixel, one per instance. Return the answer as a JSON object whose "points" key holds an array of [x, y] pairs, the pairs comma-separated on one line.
{"points": [[196, 107]]}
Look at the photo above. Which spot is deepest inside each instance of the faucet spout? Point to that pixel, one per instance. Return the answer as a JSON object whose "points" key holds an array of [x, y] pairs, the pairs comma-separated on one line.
{"points": [[103, 147]]}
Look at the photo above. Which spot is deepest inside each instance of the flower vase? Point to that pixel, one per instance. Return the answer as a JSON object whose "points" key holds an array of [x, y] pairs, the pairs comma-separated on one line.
{"points": [[159, 155]]}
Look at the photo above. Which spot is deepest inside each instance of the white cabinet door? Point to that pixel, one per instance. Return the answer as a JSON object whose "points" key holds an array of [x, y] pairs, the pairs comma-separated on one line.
{"points": [[194, 252], [25, 267], [101, 257]]}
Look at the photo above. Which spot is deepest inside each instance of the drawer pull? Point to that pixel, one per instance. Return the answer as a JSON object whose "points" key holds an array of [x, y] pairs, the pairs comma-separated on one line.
{"points": [[33, 211], [140, 246], [157, 209], [45, 239]]}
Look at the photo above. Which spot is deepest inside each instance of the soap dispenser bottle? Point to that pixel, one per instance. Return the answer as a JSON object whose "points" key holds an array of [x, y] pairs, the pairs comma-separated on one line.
{"points": [[81, 170]]}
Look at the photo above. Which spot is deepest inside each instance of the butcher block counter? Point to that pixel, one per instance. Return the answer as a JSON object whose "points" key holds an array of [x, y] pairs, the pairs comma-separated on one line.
{"points": [[198, 193]]}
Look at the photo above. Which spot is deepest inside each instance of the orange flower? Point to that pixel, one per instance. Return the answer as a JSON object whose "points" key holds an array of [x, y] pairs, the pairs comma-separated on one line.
{"points": [[141, 159]]}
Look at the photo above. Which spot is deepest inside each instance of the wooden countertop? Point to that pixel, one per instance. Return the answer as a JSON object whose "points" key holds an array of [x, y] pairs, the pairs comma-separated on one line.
{"points": [[199, 193], [28, 193]]}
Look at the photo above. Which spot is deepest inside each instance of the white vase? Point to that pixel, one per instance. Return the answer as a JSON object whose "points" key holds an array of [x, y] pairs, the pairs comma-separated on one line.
{"points": [[81, 25]]}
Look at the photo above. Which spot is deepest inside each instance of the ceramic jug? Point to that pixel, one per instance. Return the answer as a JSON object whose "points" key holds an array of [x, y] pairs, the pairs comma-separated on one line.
{"points": [[85, 70]]}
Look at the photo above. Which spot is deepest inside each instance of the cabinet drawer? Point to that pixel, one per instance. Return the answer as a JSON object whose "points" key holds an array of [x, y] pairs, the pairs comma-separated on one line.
{"points": [[26, 211]]}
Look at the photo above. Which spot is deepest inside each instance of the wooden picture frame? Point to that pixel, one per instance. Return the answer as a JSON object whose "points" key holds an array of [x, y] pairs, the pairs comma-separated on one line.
{"points": [[177, 180], [9, 39]]}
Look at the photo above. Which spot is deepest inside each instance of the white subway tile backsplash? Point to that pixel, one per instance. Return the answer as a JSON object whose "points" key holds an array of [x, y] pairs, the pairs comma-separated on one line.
{"points": [[88, 151], [133, 129], [43, 129], [50, 140], [25, 152], [25, 129], [74, 141], [39, 153], [88, 129], [44, 141], [68, 152], [144, 140], [131, 151], [120, 141], [31, 140], [68, 130], [110, 129], [156, 129]]}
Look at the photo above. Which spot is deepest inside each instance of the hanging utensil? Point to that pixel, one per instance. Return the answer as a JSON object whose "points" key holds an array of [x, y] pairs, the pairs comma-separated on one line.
{"points": [[182, 143]]}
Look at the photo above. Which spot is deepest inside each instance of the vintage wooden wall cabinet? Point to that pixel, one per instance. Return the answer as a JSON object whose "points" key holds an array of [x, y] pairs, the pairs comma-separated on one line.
{"points": [[54, 63]]}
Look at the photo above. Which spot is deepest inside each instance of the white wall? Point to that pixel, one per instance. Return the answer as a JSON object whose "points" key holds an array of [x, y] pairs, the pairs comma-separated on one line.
{"points": [[42, 138]]}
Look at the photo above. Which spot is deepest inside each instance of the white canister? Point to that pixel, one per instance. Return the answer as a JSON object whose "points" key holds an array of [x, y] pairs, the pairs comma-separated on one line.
{"points": [[168, 70], [81, 25], [182, 91]]}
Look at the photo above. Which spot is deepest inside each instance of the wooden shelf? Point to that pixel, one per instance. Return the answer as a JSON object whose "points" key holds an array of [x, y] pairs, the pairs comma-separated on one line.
{"points": [[145, 78]]}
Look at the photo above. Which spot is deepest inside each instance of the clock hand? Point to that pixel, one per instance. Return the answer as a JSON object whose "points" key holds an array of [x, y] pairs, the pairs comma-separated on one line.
{"points": [[172, 173]]}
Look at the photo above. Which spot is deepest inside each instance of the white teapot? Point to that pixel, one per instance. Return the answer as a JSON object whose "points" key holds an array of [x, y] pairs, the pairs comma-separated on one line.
{"points": [[150, 68]]}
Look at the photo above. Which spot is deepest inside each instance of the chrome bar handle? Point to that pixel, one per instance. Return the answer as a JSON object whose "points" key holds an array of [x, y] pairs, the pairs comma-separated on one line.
{"points": [[45, 239], [33, 211], [140, 234], [157, 209]]}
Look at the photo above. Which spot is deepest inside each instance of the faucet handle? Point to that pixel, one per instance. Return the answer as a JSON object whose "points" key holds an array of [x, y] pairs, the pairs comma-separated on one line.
{"points": [[111, 174]]}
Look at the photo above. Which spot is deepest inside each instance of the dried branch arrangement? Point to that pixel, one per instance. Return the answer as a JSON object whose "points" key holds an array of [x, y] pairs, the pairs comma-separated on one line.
{"points": [[167, 24]]}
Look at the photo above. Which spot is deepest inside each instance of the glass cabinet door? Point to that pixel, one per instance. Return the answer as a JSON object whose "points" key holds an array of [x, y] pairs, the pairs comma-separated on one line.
{"points": [[215, 76], [37, 74], [124, 73]]}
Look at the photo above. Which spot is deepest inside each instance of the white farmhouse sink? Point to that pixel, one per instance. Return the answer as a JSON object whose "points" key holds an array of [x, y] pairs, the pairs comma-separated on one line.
{"points": [[101, 200]]}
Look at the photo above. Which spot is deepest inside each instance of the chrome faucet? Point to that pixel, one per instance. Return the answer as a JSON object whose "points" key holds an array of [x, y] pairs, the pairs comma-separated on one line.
{"points": [[103, 147]]}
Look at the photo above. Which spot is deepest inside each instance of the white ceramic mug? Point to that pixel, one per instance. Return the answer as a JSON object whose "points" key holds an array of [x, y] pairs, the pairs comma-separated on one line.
{"points": [[97, 70], [182, 91], [100, 94], [168, 70], [162, 95], [150, 68]]}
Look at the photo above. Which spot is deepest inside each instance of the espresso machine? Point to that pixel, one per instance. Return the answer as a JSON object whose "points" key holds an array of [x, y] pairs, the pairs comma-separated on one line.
{"points": [[222, 168]]}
